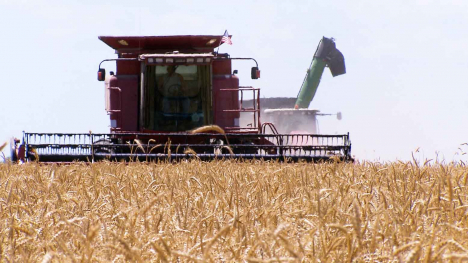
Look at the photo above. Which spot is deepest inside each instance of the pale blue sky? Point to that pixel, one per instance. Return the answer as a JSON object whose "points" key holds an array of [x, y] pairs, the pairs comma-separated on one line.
{"points": [[405, 87]]}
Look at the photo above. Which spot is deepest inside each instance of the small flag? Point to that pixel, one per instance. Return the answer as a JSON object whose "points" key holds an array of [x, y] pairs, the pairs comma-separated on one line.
{"points": [[226, 39]]}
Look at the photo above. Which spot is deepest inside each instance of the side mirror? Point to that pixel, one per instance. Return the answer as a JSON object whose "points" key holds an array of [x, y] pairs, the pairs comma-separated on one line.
{"points": [[101, 75], [255, 73], [339, 116]]}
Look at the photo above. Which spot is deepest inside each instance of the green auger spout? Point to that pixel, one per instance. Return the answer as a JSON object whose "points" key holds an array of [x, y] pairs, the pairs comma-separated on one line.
{"points": [[326, 55]]}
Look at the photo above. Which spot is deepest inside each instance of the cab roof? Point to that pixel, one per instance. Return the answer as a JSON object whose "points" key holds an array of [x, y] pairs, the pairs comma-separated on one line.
{"points": [[185, 43]]}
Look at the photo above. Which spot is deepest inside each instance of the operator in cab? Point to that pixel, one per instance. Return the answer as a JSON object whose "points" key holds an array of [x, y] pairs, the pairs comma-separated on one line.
{"points": [[172, 85]]}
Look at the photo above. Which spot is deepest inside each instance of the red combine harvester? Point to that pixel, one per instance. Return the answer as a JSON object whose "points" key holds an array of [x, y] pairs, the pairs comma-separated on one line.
{"points": [[167, 100]]}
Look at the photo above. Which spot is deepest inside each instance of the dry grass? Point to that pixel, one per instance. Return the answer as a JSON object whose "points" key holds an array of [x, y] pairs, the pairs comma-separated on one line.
{"points": [[234, 211]]}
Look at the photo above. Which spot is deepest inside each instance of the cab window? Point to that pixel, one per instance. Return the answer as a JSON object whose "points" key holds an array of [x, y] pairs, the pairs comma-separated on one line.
{"points": [[178, 97]]}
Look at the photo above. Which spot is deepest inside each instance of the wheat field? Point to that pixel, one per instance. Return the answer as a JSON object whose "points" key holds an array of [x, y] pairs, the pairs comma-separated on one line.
{"points": [[228, 211]]}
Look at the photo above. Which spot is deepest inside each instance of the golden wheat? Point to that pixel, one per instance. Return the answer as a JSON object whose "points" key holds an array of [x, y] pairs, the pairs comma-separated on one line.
{"points": [[226, 211], [3, 146]]}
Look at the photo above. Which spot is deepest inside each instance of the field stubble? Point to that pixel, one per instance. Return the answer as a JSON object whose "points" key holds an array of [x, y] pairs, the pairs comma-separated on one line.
{"points": [[227, 211]]}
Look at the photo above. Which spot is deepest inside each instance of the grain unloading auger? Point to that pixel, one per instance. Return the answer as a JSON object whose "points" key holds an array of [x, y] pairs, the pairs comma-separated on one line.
{"points": [[173, 98], [292, 115]]}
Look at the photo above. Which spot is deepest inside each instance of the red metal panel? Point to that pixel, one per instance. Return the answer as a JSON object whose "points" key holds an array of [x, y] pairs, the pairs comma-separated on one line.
{"points": [[222, 67], [128, 67], [225, 100], [205, 43], [123, 102]]}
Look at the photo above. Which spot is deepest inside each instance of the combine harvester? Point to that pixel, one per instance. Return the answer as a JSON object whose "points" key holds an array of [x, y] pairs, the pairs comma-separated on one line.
{"points": [[173, 98]]}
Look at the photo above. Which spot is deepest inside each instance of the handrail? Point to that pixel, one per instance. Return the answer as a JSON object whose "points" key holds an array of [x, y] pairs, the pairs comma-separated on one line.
{"points": [[256, 104]]}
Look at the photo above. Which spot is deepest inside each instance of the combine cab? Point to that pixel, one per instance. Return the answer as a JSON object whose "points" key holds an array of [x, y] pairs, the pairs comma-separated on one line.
{"points": [[173, 97]]}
